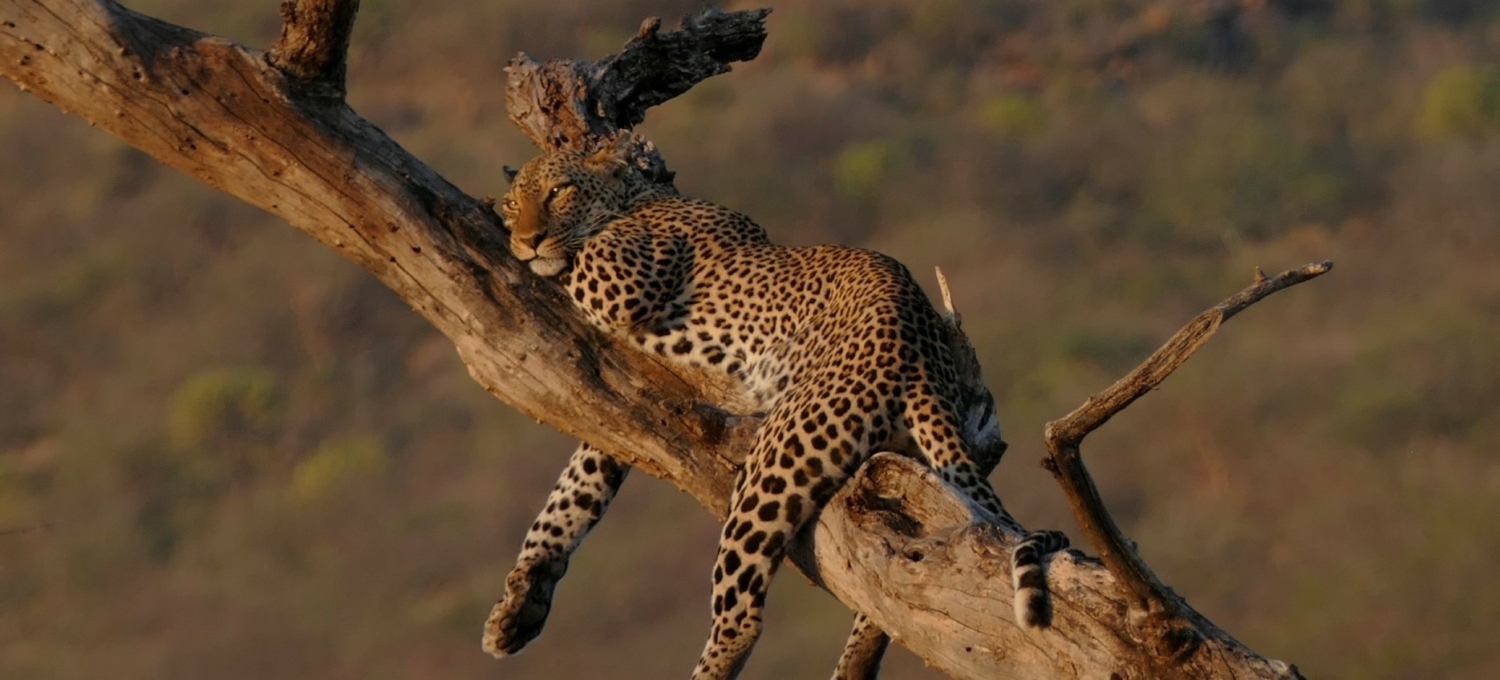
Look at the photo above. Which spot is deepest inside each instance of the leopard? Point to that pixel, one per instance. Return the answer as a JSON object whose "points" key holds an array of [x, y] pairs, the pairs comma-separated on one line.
{"points": [[840, 347], [591, 479]]}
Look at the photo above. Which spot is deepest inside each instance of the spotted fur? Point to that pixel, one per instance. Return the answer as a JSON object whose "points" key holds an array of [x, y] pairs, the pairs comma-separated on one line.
{"points": [[840, 346]]}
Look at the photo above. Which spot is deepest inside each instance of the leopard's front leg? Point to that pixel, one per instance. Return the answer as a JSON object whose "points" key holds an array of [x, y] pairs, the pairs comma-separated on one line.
{"points": [[627, 279], [577, 502]]}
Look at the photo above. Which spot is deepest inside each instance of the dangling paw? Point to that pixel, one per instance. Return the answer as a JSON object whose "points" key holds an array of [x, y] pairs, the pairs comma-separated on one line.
{"points": [[519, 616]]}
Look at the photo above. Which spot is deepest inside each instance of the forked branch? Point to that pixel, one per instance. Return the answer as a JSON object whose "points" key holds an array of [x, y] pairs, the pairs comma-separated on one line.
{"points": [[1168, 623]]}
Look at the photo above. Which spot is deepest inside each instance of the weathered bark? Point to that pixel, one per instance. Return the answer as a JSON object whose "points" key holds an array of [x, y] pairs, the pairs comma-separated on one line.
{"points": [[314, 44], [271, 129]]}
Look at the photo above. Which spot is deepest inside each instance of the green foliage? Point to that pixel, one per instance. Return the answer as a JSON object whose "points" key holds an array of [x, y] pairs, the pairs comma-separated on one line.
{"points": [[1428, 376], [796, 37], [1461, 102], [337, 463], [1013, 115], [225, 404], [86, 277], [861, 168], [1113, 351], [1239, 175]]}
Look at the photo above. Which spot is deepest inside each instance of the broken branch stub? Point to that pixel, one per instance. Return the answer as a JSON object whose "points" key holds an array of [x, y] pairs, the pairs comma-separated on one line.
{"points": [[656, 66], [569, 105], [314, 45]]}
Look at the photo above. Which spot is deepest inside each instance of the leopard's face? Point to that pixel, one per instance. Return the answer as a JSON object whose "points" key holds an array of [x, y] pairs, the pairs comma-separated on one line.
{"points": [[557, 201]]}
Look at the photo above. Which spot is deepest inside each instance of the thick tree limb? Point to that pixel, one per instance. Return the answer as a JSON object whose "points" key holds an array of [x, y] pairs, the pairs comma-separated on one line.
{"points": [[896, 543], [938, 563]]}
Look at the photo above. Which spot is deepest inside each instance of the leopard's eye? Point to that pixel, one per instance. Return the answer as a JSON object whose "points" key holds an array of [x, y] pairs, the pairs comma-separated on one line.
{"points": [[557, 190], [508, 204]]}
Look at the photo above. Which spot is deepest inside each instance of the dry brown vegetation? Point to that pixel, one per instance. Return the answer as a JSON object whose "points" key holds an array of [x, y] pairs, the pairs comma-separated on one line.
{"points": [[243, 444]]}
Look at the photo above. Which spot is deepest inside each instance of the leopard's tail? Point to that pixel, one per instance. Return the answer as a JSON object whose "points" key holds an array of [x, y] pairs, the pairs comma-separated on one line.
{"points": [[1030, 581]]}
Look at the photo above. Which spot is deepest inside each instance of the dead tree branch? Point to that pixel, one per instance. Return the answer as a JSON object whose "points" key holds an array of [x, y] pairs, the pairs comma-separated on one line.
{"points": [[272, 129], [1166, 624], [562, 104]]}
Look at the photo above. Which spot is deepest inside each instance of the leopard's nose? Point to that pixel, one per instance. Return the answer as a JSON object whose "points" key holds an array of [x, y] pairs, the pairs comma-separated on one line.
{"points": [[530, 241]]}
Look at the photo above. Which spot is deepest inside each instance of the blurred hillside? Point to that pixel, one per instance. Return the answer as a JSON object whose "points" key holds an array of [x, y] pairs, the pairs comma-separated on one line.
{"points": [[257, 463]]}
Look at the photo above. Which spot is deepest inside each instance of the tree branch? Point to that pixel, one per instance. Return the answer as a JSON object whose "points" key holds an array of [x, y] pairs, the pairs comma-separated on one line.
{"points": [[564, 104], [1099, 408], [1172, 630], [655, 67], [314, 45], [896, 543]]}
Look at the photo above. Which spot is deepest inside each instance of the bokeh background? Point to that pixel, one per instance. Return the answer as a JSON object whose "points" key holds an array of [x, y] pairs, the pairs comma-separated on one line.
{"points": [[253, 461]]}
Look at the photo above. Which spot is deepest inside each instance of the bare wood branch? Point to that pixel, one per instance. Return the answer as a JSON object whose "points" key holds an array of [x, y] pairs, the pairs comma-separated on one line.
{"points": [[564, 104], [1172, 628], [1099, 408], [219, 112], [314, 45], [655, 66], [896, 544]]}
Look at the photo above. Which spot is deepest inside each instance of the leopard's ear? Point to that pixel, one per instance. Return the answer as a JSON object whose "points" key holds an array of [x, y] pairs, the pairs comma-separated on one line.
{"points": [[612, 158], [510, 174]]}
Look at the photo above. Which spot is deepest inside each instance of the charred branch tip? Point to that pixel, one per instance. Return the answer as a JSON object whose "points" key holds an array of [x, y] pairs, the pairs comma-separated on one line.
{"points": [[314, 45], [657, 65], [573, 105]]}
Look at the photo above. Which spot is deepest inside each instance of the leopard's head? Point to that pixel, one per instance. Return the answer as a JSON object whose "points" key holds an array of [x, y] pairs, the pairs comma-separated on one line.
{"points": [[557, 201]]}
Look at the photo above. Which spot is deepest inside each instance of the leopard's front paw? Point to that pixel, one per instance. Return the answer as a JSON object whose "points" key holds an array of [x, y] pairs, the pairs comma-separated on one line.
{"points": [[519, 616]]}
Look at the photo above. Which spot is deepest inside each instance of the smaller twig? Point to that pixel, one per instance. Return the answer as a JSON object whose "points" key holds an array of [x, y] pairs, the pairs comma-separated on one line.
{"points": [[1101, 407], [1065, 435], [45, 526], [314, 45]]}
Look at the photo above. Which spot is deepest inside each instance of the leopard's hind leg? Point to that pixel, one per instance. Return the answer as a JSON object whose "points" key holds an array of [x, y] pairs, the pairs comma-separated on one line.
{"points": [[863, 651], [949, 457], [580, 497], [802, 454]]}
